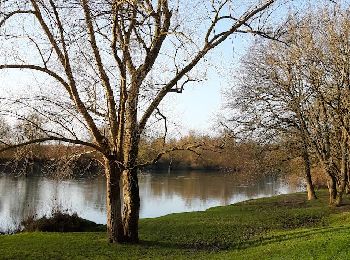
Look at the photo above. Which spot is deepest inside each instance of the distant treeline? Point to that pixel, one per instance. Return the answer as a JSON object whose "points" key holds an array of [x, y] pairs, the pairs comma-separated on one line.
{"points": [[192, 152]]}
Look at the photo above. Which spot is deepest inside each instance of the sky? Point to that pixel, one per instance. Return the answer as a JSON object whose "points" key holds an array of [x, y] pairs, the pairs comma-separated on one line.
{"points": [[197, 107], [200, 104]]}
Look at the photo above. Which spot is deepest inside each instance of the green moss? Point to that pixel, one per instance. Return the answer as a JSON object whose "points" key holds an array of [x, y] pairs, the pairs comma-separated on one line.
{"points": [[282, 227]]}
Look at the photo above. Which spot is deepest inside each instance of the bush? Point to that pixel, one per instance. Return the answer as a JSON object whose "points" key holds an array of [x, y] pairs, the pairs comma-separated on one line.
{"points": [[60, 222]]}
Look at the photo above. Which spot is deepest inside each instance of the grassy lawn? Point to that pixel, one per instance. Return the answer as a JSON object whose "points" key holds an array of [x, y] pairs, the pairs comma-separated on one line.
{"points": [[282, 227]]}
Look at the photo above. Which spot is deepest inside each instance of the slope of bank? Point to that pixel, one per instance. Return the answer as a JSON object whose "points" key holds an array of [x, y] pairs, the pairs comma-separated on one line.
{"points": [[285, 226]]}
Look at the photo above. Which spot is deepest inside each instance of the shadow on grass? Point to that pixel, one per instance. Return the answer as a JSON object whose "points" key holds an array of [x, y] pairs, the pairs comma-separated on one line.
{"points": [[216, 246], [288, 236], [195, 246]]}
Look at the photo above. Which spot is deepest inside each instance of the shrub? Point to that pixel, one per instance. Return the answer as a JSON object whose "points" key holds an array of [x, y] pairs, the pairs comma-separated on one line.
{"points": [[60, 222]]}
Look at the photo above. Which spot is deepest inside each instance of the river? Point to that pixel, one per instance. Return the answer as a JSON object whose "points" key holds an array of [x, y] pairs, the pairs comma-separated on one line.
{"points": [[161, 194]]}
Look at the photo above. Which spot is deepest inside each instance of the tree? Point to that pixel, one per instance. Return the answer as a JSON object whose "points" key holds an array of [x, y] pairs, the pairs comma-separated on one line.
{"points": [[301, 87], [115, 62], [270, 96], [328, 78], [30, 128]]}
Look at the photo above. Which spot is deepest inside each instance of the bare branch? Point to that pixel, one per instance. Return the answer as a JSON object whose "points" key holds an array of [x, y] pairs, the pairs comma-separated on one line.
{"points": [[53, 138], [112, 114], [190, 148], [215, 41], [8, 16], [165, 125], [38, 68]]}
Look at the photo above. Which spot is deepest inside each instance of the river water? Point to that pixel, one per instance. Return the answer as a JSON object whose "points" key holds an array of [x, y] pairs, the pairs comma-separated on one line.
{"points": [[161, 194]]}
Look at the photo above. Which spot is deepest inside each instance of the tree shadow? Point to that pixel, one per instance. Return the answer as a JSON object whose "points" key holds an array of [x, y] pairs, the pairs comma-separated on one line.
{"points": [[289, 236], [190, 246], [215, 246]]}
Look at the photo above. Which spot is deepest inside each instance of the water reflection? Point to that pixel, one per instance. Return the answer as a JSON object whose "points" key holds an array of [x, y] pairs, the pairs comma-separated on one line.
{"points": [[160, 194]]}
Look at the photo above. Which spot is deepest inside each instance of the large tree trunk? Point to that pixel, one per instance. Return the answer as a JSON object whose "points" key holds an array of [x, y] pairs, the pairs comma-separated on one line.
{"points": [[332, 189], [341, 190], [331, 181], [347, 185], [114, 216], [307, 169], [343, 170], [131, 196], [311, 195], [131, 206]]}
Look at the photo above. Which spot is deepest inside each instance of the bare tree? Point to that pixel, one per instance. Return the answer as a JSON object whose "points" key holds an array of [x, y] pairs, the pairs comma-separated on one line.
{"points": [[301, 86], [330, 83], [115, 62], [269, 98]]}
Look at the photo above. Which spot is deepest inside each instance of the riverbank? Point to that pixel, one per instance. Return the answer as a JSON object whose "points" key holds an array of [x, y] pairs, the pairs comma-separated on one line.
{"points": [[285, 226]]}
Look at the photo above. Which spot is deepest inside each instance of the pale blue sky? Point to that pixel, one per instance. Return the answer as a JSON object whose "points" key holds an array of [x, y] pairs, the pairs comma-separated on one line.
{"points": [[199, 104], [197, 107], [194, 109]]}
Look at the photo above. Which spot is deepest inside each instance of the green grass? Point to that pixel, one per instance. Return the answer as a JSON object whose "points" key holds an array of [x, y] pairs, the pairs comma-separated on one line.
{"points": [[282, 227]]}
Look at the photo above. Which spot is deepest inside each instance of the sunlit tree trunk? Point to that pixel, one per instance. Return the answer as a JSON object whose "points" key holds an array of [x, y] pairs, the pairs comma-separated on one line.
{"points": [[347, 188], [131, 196], [131, 205], [342, 187], [343, 168], [332, 184], [332, 188], [113, 202], [307, 169]]}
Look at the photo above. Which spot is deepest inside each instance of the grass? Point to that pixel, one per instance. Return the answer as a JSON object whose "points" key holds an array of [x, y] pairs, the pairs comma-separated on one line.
{"points": [[282, 227]]}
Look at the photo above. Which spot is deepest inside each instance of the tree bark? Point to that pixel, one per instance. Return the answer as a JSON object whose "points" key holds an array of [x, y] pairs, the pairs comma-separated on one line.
{"points": [[332, 188], [331, 181], [113, 203], [341, 191], [307, 169], [131, 206], [343, 170]]}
